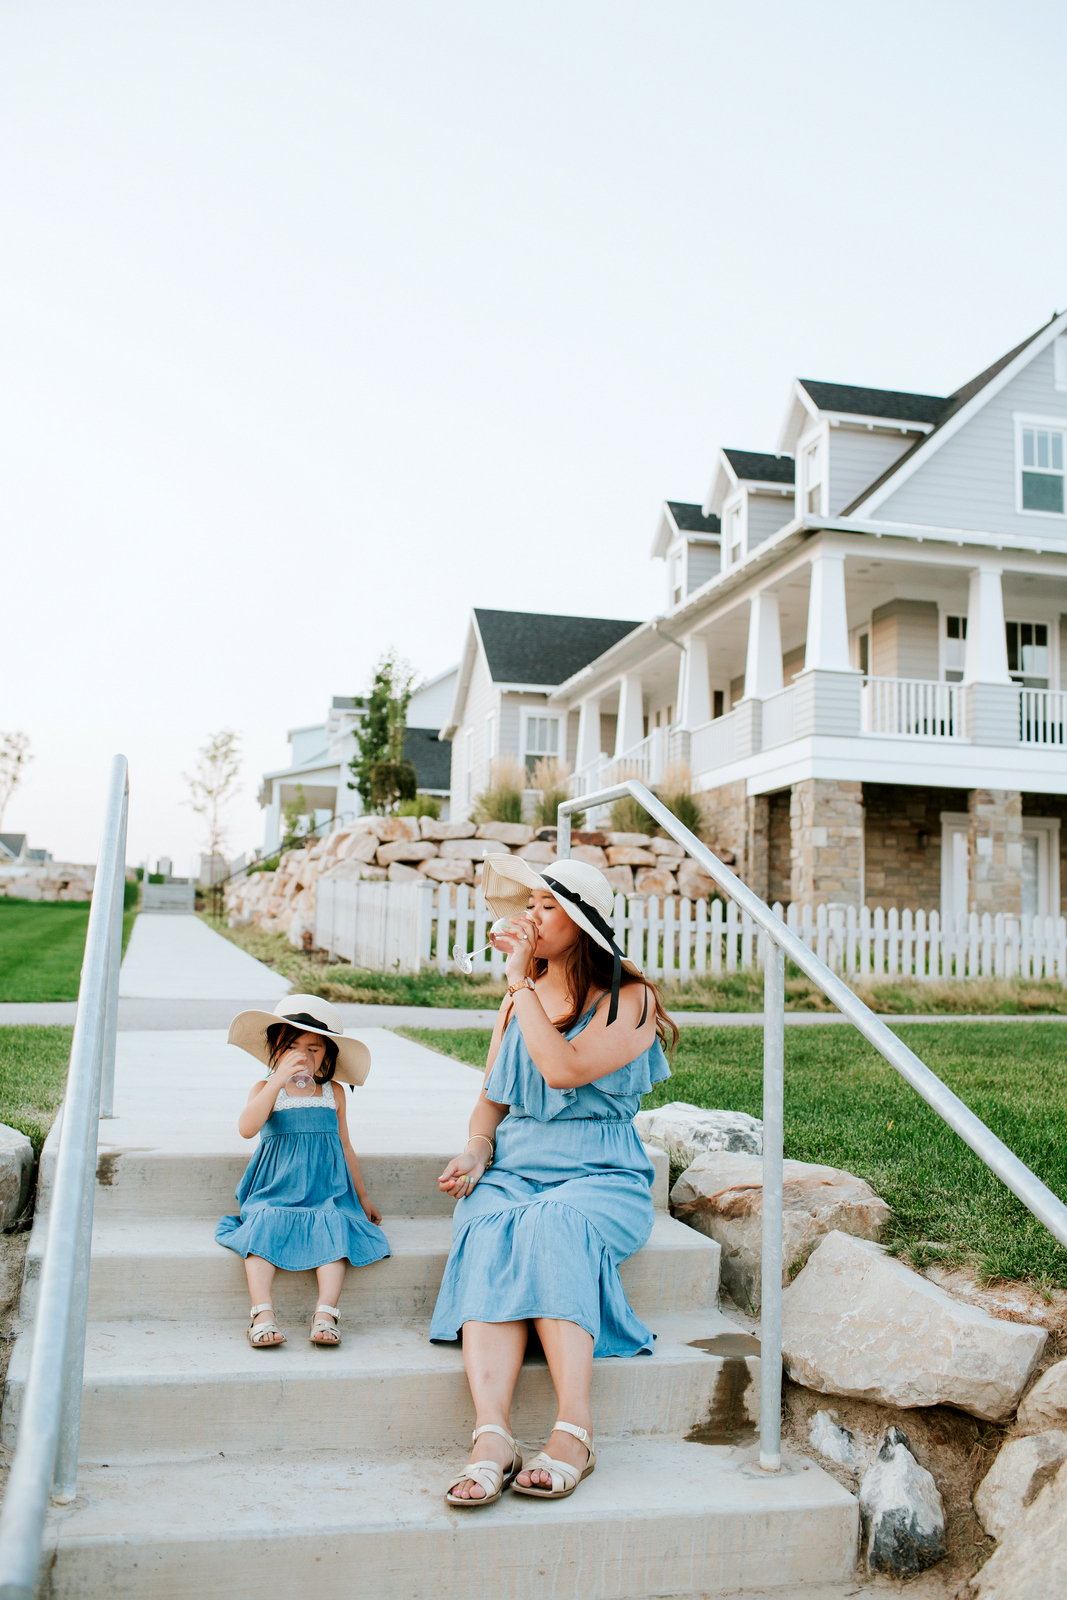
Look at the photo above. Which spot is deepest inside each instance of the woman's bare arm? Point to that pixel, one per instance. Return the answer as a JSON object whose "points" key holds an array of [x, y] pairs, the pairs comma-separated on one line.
{"points": [[598, 1049], [485, 1120]]}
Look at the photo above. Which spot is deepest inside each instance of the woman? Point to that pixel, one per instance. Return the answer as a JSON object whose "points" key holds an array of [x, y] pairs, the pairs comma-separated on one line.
{"points": [[554, 1187]]}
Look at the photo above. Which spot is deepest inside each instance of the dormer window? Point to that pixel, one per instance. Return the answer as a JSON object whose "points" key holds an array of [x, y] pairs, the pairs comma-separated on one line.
{"points": [[813, 479], [734, 534]]}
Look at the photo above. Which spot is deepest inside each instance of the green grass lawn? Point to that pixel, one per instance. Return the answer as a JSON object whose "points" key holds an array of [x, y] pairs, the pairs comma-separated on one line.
{"points": [[846, 1107], [33, 1075], [41, 945]]}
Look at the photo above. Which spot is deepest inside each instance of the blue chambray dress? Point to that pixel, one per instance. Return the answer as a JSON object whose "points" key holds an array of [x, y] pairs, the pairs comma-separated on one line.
{"points": [[298, 1204], [569, 1197]]}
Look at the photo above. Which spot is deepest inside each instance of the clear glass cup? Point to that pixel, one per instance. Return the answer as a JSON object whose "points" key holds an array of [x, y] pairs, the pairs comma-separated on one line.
{"points": [[465, 962]]}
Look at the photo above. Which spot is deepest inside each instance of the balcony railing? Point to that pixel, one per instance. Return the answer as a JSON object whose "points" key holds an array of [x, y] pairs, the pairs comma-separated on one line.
{"points": [[913, 708], [1042, 716], [779, 718], [645, 761], [714, 744]]}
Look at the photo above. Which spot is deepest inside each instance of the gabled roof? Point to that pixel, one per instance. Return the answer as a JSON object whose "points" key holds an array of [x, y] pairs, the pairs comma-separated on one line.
{"points": [[532, 648], [970, 397], [893, 404], [12, 846], [431, 758], [753, 466], [681, 517]]}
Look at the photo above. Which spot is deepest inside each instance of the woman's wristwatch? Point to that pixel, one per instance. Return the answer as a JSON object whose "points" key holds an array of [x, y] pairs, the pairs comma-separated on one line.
{"points": [[523, 983]]}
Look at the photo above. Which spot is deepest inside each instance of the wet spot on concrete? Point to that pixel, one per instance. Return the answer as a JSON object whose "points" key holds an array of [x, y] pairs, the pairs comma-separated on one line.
{"points": [[105, 1168], [728, 1421]]}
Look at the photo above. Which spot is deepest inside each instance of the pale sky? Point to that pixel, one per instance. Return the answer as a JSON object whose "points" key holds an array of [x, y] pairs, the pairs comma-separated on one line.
{"points": [[324, 322]]}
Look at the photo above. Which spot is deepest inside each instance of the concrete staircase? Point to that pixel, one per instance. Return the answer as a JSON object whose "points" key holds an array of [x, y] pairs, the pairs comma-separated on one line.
{"points": [[210, 1469]]}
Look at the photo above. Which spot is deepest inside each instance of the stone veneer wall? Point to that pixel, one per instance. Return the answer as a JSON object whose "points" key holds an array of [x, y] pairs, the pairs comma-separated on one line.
{"points": [[826, 822], [995, 850], [779, 847], [897, 871]]}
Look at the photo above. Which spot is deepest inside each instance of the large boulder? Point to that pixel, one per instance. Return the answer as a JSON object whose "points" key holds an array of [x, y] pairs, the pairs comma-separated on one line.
{"points": [[398, 873], [1031, 1563], [694, 884], [901, 1514], [686, 1131], [721, 1195], [506, 832], [858, 1322], [390, 828], [620, 879], [667, 847], [640, 840], [629, 855], [360, 847], [444, 870], [1016, 1478], [431, 829], [406, 850], [590, 854], [539, 853], [1046, 1404], [653, 881], [16, 1171], [472, 849]]}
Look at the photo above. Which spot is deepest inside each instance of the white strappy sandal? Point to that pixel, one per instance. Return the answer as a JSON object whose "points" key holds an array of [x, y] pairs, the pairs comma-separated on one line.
{"points": [[565, 1478], [488, 1475], [320, 1325], [257, 1336]]}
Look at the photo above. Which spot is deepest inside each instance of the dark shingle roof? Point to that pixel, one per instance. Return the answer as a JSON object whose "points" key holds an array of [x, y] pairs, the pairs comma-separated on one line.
{"points": [[949, 408], [525, 647], [690, 519], [431, 758], [892, 404], [760, 468]]}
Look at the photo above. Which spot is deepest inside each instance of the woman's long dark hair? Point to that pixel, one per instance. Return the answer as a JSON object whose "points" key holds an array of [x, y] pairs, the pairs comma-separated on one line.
{"points": [[587, 967], [282, 1036]]}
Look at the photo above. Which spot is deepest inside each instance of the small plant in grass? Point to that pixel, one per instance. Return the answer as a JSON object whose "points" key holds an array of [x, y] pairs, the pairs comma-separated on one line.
{"points": [[502, 800], [629, 816], [549, 778]]}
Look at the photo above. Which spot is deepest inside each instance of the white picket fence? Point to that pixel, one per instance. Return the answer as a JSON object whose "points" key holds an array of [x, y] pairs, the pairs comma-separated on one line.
{"points": [[394, 927]]}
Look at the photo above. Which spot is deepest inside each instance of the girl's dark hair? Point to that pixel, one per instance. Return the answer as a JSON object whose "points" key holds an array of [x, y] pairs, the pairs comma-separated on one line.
{"points": [[588, 966], [281, 1036]]}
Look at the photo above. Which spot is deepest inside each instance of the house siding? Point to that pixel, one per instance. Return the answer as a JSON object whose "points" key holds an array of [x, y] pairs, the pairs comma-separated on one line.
{"points": [[482, 700], [766, 514], [970, 481], [857, 459], [904, 639], [703, 562]]}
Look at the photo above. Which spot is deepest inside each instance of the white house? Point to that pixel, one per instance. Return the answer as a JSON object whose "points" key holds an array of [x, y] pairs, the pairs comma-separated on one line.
{"points": [[863, 648], [321, 752], [513, 662]]}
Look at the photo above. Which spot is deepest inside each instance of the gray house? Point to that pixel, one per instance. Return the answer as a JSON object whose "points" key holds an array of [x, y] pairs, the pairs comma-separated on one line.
{"points": [[863, 648]]}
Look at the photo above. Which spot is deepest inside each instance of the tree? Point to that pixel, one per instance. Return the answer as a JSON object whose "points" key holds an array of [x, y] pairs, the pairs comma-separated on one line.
{"points": [[293, 813], [213, 785], [383, 777], [14, 758]]}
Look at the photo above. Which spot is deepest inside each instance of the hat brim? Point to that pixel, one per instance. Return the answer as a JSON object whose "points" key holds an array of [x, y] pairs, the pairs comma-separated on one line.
{"points": [[507, 882], [248, 1031]]}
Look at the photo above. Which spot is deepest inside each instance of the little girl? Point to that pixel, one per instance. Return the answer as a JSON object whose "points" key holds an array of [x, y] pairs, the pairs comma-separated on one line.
{"points": [[303, 1201]]}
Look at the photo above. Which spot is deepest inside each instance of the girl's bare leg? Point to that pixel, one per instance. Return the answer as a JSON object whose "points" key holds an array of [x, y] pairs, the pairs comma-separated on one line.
{"points": [[260, 1275], [569, 1353], [331, 1280], [492, 1355]]}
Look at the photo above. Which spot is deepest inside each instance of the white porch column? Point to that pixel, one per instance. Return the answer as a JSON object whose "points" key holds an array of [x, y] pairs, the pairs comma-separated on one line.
{"points": [[630, 728], [827, 642], [694, 697], [763, 664], [588, 734], [986, 659]]}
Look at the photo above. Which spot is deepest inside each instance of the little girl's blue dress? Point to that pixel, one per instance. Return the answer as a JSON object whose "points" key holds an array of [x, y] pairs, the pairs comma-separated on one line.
{"points": [[298, 1203], [568, 1197]]}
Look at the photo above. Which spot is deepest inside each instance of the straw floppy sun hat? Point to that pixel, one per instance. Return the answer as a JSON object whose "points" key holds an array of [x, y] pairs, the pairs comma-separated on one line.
{"points": [[583, 893], [309, 1014]]}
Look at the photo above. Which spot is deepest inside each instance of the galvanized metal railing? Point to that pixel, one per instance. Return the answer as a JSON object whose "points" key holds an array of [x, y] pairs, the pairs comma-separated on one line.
{"points": [[950, 1108], [46, 1455]]}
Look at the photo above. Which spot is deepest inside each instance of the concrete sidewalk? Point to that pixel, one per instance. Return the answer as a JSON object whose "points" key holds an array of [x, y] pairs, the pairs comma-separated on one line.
{"points": [[175, 957]]}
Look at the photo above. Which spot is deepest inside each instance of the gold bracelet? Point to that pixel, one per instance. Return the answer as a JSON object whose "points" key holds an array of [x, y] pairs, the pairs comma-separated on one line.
{"points": [[523, 983], [489, 1142]]}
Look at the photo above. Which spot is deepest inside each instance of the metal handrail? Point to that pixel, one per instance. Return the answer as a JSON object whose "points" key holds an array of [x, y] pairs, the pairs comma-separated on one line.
{"points": [[1023, 1183], [46, 1455]]}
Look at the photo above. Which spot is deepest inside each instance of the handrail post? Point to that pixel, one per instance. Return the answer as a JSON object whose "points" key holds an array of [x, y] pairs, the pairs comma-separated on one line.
{"points": [[770, 1437], [114, 962]]}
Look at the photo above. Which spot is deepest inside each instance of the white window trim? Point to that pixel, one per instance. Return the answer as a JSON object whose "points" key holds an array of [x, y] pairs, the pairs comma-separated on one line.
{"points": [[469, 770], [490, 741], [678, 552], [943, 611], [1052, 624], [953, 825], [737, 502], [820, 438], [1023, 420], [1059, 361]]}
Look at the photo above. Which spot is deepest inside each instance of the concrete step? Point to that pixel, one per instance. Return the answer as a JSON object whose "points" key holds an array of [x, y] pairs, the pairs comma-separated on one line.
{"points": [[140, 1183], [655, 1518], [143, 1268], [161, 1390]]}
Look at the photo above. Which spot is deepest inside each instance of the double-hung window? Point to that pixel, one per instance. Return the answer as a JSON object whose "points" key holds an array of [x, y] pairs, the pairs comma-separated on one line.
{"points": [[541, 739], [1028, 653], [1041, 468], [735, 533], [955, 648], [813, 479]]}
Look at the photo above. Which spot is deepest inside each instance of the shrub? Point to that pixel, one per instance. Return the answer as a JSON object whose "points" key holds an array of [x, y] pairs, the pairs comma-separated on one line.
{"points": [[502, 801], [423, 805], [629, 816], [676, 792], [550, 780]]}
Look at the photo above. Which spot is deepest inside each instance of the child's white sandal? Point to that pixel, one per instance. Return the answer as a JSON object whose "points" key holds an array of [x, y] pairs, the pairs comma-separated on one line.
{"points": [[488, 1475], [258, 1335], [320, 1325], [565, 1478]]}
